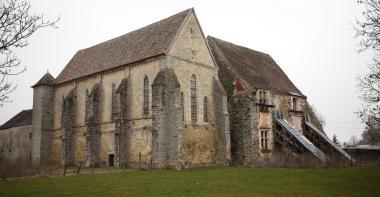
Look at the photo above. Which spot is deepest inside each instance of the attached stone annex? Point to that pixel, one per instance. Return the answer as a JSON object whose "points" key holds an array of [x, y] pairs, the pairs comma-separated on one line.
{"points": [[166, 96]]}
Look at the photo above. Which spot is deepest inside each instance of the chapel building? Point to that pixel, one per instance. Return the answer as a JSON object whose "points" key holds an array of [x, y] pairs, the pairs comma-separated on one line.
{"points": [[166, 96]]}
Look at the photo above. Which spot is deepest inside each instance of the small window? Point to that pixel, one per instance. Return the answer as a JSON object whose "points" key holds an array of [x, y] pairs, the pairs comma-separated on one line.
{"points": [[183, 106], [263, 97], [264, 139], [146, 96], [294, 103], [113, 101], [163, 98], [205, 110], [193, 93], [30, 136]]}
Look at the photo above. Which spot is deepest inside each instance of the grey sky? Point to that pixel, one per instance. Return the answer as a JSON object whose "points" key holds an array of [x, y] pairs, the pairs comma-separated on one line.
{"points": [[312, 41]]}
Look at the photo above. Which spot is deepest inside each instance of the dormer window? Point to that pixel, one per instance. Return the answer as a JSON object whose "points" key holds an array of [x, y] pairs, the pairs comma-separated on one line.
{"points": [[263, 97], [294, 103]]}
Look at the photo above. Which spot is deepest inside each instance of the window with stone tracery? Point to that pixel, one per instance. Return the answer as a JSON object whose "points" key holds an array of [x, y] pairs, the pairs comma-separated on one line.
{"points": [[205, 110], [264, 139], [183, 106], [146, 97], [193, 94]]}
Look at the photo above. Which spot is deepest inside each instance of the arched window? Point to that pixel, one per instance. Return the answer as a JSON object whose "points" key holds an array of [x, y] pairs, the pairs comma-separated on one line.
{"points": [[87, 105], [113, 101], [146, 96], [193, 93], [205, 114], [183, 106]]}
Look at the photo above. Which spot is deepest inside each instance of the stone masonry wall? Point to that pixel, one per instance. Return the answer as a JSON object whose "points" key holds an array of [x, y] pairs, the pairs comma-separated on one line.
{"points": [[167, 130], [16, 144], [222, 120], [42, 121], [125, 132], [131, 116], [93, 127], [68, 118], [242, 129]]}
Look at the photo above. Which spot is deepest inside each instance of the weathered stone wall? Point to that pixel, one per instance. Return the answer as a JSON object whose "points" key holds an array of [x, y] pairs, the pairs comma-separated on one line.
{"points": [[222, 120], [93, 127], [68, 133], [133, 119], [16, 144], [199, 145], [167, 125], [283, 103], [191, 44], [42, 121], [123, 130], [140, 148], [204, 142], [243, 126]]}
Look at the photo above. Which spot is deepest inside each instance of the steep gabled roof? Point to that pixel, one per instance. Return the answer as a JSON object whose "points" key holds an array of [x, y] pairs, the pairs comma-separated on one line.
{"points": [[258, 69], [147, 42], [21, 119], [47, 79]]}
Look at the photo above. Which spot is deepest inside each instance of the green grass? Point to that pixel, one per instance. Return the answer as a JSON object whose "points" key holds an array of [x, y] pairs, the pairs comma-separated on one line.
{"points": [[206, 182]]}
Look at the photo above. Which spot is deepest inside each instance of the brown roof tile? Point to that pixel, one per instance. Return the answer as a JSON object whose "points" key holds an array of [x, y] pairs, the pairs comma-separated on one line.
{"points": [[258, 69], [149, 41], [21, 119]]}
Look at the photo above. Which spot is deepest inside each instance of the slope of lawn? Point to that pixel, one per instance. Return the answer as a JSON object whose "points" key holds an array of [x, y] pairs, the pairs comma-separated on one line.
{"points": [[231, 181]]}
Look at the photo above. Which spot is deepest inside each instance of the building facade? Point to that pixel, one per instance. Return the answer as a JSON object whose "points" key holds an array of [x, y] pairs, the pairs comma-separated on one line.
{"points": [[165, 96]]}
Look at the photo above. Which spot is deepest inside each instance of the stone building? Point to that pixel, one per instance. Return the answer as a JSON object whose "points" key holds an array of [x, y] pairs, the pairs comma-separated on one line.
{"points": [[165, 96], [16, 137]]}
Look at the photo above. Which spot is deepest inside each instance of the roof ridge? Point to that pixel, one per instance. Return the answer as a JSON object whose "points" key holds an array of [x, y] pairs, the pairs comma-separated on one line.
{"points": [[230, 43], [135, 30], [142, 43]]}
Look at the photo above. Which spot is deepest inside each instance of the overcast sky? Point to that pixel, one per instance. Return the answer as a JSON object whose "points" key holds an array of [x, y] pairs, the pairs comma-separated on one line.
{"points": [[312, 41]]}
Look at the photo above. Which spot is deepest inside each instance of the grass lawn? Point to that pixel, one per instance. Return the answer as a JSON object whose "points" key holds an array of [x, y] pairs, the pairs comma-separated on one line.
{"points": [[206, 182]]}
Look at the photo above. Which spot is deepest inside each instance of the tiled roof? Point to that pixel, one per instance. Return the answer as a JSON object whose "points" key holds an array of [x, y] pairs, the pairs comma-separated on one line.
{"points": [[47, 79], [147, 42], [21, 119], [258, 69]]}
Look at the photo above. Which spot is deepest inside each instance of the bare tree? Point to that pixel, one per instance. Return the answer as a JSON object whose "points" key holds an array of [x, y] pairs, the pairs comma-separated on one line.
{"points": [[371, 134], [17, 24], [368, 31]]}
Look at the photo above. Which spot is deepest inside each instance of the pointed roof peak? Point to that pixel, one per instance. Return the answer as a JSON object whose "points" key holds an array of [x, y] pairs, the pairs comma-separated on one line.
{"points": [[47, 79]]}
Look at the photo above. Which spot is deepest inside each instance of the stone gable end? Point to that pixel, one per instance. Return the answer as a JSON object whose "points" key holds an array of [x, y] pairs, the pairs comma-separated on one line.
{"points": [[190, 43]]}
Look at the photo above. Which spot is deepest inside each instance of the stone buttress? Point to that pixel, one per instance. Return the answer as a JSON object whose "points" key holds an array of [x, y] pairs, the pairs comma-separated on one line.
{"points": [[167, 130]]}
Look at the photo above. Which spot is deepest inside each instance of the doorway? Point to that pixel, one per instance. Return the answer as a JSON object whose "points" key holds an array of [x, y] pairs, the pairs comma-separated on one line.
{"points": [[111, 158]]}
